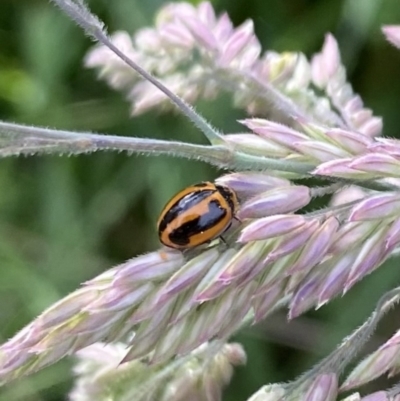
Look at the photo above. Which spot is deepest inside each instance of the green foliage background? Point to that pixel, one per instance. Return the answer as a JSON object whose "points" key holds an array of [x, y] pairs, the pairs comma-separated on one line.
{"points": [[64, 220]]}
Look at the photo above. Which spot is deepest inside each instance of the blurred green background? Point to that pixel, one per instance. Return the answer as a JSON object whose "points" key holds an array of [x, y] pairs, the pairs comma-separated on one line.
{"points": [[64, 220]]}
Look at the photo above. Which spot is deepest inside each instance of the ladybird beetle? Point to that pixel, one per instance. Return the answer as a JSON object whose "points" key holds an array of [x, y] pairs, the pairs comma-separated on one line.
{"points": [[196, 215]]}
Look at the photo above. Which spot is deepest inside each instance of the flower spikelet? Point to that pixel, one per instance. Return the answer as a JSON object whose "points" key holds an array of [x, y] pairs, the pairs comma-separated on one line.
{"points": [[329, 74], [200, 375], [392, 33], [168, 303], [197, 53], [182, 34], [383, 360]]}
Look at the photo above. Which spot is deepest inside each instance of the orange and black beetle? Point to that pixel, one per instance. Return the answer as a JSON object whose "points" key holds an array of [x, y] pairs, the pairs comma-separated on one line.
{"points": [[196, 215]]}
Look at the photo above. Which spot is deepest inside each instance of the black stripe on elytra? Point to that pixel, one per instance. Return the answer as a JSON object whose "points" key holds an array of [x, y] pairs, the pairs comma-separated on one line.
{"points": [[188, 201], [182, 234], [227, 195]]}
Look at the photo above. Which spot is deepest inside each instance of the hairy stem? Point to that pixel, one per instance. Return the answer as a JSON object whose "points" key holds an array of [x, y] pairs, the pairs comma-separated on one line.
{"points": [[347, 350], [80, 13]]}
